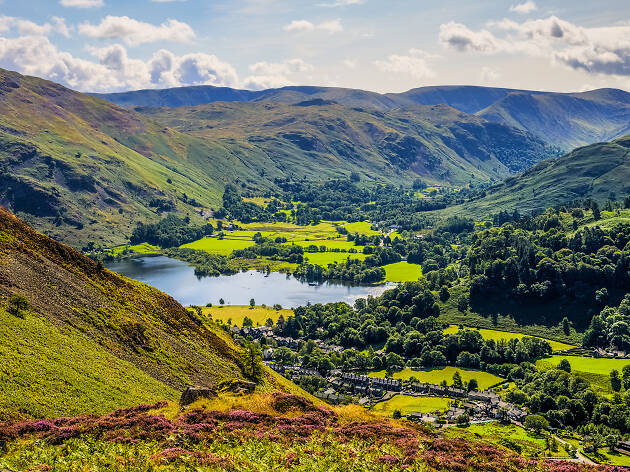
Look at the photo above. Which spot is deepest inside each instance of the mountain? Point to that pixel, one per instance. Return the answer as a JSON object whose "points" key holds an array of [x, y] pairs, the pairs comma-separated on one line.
{"points": [[565, 120], [568, 120], [82, 169], [598, 171], [93, 341], [438, 143]]}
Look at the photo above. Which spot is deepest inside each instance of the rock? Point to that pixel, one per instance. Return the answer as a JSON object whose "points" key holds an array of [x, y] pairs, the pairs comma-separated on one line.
{"points": [[237, 386], [192, 394]]}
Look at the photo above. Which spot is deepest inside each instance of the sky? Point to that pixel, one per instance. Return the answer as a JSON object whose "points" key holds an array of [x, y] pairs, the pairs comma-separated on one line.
{"points": [[379, 45]]}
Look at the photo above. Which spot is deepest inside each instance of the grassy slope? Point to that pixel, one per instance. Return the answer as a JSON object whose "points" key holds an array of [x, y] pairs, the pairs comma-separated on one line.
{"points": [[506, 336], [407, 404], [437, 375], [108, 322], [593, 171], [258, 315]]}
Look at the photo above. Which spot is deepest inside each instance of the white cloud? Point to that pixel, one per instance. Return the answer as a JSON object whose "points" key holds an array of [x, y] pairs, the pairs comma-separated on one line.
{"points": [[113, 69], [134, 32], [414, 64], [82, 3], [27, 27], [330, 26], [351, 63], [341, 3], [488, 74], [524, 8], [603, 50], [274, 75]]}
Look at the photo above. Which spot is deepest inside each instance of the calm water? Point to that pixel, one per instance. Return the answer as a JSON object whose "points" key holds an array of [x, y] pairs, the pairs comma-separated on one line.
{"points": [[178, 279]]}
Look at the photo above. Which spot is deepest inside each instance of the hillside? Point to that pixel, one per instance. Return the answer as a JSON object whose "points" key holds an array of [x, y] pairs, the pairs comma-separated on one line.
{"points": [[598, 171], [568, 120], [93, 341], [437, 143], [83, 170], [564, 120]]}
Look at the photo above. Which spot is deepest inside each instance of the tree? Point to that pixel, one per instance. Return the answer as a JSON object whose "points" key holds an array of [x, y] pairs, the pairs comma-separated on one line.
{"points": [[269, 322], [615, 380], [444, 293], [536, 423], [463, 419], [252, 363], [221, 301], [397, 414], [457, 379], [473, 385], [17, 305], [355, 177], [252, 303], [564, 365], [462, 304], [625, 377], [566, 326], [247, 322], [597, 215]]}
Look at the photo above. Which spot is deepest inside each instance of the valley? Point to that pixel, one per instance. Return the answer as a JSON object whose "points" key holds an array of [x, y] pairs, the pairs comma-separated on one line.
{"points": [[430, 280]]}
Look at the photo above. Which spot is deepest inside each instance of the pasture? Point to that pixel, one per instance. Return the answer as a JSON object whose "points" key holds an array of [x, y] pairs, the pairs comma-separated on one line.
{"points": [[437, 375], [402, 272], [592, 365], [223, 247], [407, 404], [259, 315], [325, 258], [497, 335]]}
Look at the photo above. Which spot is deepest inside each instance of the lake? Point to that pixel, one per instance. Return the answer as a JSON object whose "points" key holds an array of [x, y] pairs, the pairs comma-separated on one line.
{"points": [[178, 279]]}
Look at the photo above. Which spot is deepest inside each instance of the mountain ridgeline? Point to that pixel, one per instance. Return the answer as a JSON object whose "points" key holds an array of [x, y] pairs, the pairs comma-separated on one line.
{"points": [[82, 169], [565, 120]]}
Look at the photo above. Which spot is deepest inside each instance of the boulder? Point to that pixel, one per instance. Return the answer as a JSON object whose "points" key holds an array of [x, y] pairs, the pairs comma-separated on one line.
{"points": [[237, 386], [192, 394]]}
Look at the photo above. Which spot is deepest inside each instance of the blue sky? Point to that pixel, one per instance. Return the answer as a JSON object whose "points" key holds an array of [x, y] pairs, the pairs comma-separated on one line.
{"points": [[381, 45]]}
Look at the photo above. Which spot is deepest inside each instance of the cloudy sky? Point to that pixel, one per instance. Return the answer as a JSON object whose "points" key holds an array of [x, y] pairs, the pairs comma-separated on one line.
{"points": [[381, 45]]}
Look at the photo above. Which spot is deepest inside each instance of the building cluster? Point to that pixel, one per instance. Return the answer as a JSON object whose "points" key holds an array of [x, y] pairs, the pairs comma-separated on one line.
{"points": [[616, 354]]}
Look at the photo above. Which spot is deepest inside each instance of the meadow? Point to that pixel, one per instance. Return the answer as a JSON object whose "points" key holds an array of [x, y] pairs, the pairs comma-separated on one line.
{"points": [[497, 335], [595, 370], [259, 315], [407, 404], [508, 435], [402, 272], [325, 258], [437, 375]]}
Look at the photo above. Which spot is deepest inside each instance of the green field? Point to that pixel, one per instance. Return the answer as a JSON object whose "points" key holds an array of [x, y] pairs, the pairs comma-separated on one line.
{"points": [[237, 314], [341, 244], [402, 272], [507, 435], [590, 365], [407, 404], [596, 371], [223, 247], [604, 456], [436, 376], [325, 258], [361, 227], [506, 336], [142, 248]]}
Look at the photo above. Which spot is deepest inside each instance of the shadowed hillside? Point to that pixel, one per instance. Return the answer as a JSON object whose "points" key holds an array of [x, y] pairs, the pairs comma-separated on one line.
{"points": [[92, 340]]}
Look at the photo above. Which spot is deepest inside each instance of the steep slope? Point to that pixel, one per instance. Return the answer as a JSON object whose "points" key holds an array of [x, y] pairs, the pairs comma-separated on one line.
{"points": [[438, 143], [569, 120], [93, 340], [598, 171]]}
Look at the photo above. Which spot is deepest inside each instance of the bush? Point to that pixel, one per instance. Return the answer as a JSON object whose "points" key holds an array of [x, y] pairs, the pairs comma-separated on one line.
{"points": [[17, 305]]}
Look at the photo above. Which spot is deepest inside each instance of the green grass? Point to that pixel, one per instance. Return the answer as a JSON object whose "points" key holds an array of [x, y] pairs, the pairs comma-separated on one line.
{"points": [[407, 404], [531, 444], [361, 227], [604, 456], [506, 336], [48, 370], [596, 371], [142, 248], [341, 244], [586, 364], [237, 314], [223, 247], [436, 376], [402, 272], [325, 258]]}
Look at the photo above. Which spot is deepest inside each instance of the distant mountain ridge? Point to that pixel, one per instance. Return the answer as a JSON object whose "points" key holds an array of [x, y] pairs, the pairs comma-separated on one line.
{"points": [[83, 169], [565, 120]]}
